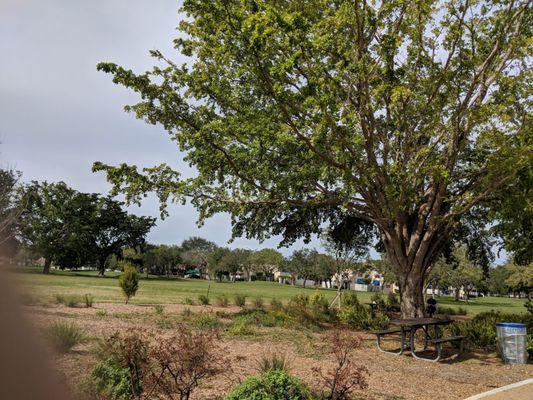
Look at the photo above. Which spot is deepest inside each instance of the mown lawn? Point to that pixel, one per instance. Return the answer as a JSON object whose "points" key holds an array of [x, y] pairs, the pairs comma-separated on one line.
{"points": [[157, 290]]}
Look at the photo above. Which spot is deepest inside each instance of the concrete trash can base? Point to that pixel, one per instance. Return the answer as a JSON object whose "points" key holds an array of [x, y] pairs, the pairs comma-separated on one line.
{"points": [[512, 342]]}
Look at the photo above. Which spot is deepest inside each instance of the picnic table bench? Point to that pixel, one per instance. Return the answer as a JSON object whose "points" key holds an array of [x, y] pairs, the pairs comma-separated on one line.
{"points": [[407, 327]]}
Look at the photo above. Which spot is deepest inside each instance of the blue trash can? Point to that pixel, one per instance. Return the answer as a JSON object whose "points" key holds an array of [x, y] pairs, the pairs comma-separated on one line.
{"points": [[512, 342]]}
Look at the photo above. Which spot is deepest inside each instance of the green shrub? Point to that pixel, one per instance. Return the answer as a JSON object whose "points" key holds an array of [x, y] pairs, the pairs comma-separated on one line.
{"points": [[203, 299], [64, 336], [240, 327], [276, 304], [481, 330], [320, 307], [357, 316], [299, 300], [273, 362], [349, 299], [129, 350], [257, 302], [271, 385], [378, 301], [222, 301], [159, 309], [111, 380], [88, 298], [129, 281], [393, 301], [188, 301], [239, 300], [206, 321]]}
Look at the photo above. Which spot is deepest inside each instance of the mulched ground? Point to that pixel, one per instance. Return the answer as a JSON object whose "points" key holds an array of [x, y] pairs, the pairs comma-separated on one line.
{"points": [[390, 377]]}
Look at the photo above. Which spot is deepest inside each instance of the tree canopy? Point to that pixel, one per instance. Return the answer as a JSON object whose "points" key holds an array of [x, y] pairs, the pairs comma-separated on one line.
{"points": [[406, 116], [74, 229]]}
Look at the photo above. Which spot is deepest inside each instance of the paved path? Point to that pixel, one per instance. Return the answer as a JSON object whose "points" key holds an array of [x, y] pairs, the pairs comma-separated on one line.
{"points": [[522, 390]]}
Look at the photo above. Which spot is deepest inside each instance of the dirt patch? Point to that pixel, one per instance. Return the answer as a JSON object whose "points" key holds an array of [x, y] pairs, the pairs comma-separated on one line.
{"points": [[390, 377]]}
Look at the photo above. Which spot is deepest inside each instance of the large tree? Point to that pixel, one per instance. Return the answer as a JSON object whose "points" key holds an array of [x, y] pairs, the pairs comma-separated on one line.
{"points": [[54, 224], [405, 115], [266, 261], [113, 229], [74, 229]]}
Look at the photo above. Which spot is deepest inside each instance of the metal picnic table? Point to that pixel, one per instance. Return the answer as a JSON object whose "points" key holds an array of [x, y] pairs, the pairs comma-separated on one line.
{"points": [[409, 326]]}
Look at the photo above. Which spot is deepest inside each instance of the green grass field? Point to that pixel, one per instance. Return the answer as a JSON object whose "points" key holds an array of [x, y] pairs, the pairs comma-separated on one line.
{"points": [[156, 290]]}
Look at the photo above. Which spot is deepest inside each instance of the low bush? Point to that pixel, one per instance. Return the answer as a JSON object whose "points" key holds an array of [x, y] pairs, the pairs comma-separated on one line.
{"points": [[64, 336], [222, 301], [320, 308], [393, 301], [206, 321], [88, 298], [240, 327], [203, 299], [187, 312], [481, 330], [169, 367], [179, 363], [111, 380], [379, 301], [188, 301], [257, 302], [357, 316], [273, 362], [124, 353], [271, 385], [239, 300]]}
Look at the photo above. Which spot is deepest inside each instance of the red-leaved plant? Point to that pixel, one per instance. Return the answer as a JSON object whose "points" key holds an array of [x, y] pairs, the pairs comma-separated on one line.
{"points": [[345, 376], [181, 361]]}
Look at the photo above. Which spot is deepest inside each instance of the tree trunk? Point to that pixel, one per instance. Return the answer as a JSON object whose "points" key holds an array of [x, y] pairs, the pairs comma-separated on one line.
{"points": [[457, 294], [412, 299], [46, 268], [305, 280]]}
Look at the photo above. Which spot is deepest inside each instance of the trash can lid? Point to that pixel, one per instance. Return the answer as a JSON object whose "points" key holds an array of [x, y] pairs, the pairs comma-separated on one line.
{"points": [[510, 325]]}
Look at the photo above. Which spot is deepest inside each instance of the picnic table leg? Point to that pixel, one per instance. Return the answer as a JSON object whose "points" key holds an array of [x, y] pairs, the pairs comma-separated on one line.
{"points": [[437, 345], [402, 344]]}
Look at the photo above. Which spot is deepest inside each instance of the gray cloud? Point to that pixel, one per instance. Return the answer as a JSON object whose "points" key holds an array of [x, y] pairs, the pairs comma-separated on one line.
{"points": [[59, 115]]}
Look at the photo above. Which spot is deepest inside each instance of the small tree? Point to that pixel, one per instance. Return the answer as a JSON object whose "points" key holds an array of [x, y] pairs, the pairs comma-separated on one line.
{"points": [[346, 376], [129, 280]]}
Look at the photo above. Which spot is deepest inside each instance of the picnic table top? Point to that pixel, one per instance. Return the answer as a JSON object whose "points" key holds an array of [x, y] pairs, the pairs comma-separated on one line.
{"points": [[420, 321]]}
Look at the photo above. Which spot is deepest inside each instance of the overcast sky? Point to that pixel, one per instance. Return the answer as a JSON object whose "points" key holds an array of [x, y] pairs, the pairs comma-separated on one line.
{"points": [[58, 114]]}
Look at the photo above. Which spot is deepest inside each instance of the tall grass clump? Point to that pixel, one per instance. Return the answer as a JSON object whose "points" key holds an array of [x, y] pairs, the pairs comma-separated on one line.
{"points": [[88, 299], [273, 362], [257, 302], [203, 299], [239, 300], [64, 336], [222, 301]]}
